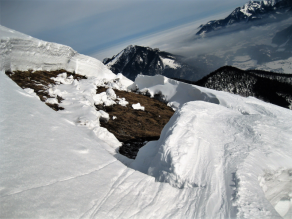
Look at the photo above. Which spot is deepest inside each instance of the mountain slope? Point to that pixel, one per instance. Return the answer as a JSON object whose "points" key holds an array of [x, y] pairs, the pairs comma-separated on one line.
{"points": [[135, 60], [271, 87], [249, 13], [220, 155]]}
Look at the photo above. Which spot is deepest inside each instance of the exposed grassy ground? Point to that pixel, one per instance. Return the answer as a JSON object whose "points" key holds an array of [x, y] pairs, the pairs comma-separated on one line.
{"points": [[132, 127], [39, 81]]}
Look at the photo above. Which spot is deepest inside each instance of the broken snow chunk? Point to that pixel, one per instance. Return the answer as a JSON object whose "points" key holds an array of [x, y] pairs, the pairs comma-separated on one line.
{"points": [[52, 101], [114, 85], [99, 98], [104, 117], [122, 101], [111, 94], [31, 92], [103, 99], [114, 117], [146, 92], [54, 92], [62, 78], [137, 106]]}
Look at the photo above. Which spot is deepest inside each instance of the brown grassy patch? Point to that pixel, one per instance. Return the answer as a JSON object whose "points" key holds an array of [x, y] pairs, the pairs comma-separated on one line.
{"points": [[39, 81], [132, 126]]}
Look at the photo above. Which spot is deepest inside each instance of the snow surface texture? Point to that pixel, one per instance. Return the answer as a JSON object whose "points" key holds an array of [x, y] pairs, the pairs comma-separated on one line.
{"points": [[221, 148], [220, 155]]}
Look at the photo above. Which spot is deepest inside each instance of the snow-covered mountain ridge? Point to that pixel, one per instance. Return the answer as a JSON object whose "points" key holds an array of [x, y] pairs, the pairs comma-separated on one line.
{"points": [[134, 60], [250, 12], [220, 155]]}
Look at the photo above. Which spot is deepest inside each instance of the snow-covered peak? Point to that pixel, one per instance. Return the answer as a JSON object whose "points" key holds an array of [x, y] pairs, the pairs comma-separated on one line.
{"points": [[128, 48], [134, 60], [250, 8], [251, 11]]}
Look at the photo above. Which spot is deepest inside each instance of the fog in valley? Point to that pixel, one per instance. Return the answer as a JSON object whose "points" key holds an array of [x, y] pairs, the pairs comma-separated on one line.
{"points": [[241, 45]]}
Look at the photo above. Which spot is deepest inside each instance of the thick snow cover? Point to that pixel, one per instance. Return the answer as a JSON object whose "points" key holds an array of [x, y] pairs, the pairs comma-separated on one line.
{"points": [[220, 155], [21, 52], [229, 147]]}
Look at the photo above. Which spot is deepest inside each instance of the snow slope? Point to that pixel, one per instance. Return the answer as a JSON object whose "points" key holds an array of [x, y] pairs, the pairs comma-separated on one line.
{"points": [[22, 52], [220, 155], [211, 156]]}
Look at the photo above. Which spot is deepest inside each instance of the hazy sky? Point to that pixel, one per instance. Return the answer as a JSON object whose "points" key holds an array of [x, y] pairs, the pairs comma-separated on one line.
{"points": [[101, 28]]}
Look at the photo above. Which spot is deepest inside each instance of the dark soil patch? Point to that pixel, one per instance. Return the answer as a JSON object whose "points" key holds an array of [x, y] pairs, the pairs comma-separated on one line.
{"points": [[40, 81], [130, 148], [133, 127]]}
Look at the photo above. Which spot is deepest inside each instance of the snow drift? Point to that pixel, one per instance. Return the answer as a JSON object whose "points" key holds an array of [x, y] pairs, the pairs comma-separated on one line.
{"points": [[220, 148], [21, 52]]}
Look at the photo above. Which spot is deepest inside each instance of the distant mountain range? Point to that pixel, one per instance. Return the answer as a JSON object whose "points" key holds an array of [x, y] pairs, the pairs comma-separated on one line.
{"points": [[249, 13], [266, 46], [135, 60]]}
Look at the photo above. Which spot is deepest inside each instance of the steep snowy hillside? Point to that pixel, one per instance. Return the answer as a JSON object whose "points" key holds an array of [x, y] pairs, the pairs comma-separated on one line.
{"points": [[135, 60], [267, 11], [220, 155]]}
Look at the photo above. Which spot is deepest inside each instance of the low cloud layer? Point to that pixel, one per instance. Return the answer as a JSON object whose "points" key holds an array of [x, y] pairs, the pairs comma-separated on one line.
{"points": [[240, 45]]}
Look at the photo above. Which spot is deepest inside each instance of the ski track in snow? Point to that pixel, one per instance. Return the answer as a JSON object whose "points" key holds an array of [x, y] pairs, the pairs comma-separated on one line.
{"points": [[60, 181], [220, 155]]}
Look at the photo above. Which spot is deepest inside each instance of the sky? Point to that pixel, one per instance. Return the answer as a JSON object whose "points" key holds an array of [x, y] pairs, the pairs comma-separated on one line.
{"points": [[102, 28]]}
